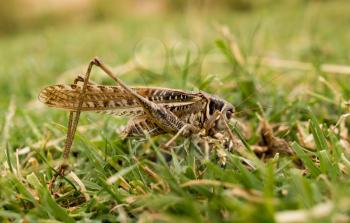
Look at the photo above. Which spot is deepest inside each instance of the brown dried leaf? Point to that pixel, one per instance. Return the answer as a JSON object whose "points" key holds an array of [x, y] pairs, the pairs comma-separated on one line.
{"points": [[271, 142]]}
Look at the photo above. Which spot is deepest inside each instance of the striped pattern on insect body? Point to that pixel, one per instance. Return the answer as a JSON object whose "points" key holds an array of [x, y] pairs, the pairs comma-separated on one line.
{"points": [[191, 108]]}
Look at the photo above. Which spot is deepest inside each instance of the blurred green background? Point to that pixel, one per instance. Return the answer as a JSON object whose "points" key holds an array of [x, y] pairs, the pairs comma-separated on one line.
{"points": [[259, 55], [40, 40]]}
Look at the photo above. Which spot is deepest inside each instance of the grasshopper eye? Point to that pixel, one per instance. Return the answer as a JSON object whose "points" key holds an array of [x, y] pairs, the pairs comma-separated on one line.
{"points": [[229, 114]]}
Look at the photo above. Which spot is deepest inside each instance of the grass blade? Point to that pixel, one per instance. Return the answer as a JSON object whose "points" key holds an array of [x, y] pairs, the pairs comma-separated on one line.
{"points": [[314, 170], [320, 139], [6, 130]]}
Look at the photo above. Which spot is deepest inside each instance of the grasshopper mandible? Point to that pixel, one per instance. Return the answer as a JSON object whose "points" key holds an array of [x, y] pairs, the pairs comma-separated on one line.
{"points": [[153, 111]]}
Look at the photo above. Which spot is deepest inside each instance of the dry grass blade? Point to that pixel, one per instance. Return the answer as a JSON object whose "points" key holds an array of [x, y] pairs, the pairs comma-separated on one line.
{"points": [[156, 177], [298, 65], [234, 47], [276, 62], [272, 143], [317, 212], [236, 190], [81, 185], [7, 126], [154, 217]]}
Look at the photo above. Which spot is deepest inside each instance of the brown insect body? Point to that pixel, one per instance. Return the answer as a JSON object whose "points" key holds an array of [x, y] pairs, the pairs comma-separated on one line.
{"points": [[190, 107]]}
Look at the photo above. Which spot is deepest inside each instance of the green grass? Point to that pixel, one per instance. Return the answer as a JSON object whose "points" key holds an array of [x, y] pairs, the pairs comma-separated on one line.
{"points": [[186, 185]]}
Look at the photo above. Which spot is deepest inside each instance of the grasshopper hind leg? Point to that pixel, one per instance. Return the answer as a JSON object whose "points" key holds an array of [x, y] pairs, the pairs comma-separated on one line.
{"points": [[164, 118]]}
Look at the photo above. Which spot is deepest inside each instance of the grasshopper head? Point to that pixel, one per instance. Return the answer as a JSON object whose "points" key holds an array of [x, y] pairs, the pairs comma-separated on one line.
{"points": [[216, 104]]}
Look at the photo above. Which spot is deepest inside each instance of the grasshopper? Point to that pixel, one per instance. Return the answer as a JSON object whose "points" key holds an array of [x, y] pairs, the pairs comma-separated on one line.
{"points": [[152, 111]]}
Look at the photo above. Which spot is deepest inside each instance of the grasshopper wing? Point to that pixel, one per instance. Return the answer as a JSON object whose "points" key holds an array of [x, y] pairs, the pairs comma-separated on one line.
{"points": [[113, 99]]}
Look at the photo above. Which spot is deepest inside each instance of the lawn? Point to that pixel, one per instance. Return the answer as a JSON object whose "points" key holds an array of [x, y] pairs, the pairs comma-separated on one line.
{"points": [[284, 68]]}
